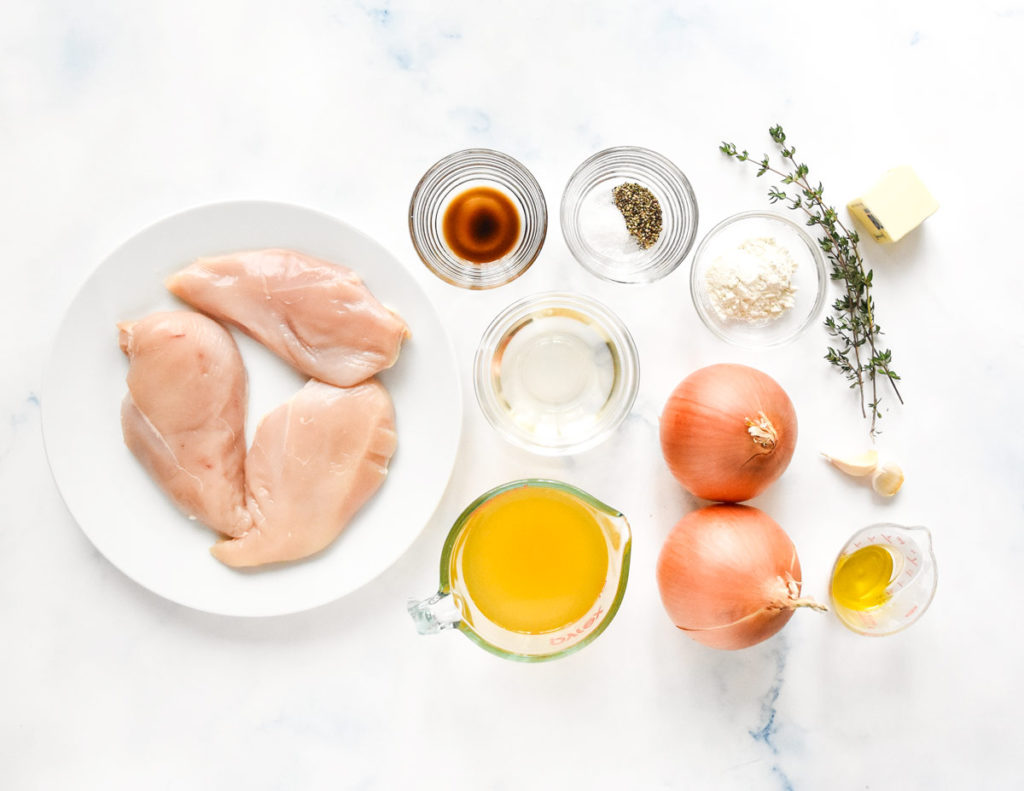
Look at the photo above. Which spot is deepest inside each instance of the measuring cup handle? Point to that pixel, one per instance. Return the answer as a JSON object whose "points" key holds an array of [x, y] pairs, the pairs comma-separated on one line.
{"points": [[435, 614]]}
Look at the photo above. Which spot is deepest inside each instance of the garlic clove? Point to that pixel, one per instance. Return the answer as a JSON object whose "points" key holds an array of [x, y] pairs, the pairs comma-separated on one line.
{"points": [[858, 466], [887, 479]]}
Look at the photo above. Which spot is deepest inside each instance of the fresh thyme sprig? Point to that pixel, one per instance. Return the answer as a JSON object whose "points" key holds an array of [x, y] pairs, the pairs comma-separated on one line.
{"points": [[852, 323]]}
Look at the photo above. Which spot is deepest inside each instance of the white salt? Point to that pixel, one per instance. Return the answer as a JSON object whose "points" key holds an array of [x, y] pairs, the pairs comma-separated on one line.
{"points": [[603, 227]]}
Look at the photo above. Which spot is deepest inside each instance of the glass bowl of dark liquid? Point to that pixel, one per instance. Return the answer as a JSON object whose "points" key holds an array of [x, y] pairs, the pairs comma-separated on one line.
{"points": [[478, 218]]}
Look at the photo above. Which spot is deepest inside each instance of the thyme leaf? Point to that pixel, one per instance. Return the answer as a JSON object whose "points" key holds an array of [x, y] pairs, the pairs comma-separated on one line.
{"points": [[855, 352]]}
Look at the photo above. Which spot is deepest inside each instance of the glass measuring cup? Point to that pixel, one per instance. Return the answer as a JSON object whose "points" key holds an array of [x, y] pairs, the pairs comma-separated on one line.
{"points": [[531, 570], [883, 579]]}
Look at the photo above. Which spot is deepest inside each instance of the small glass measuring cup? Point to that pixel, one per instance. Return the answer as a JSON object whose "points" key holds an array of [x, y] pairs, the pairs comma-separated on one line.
{"points": [[490, 614], [883, 579]]}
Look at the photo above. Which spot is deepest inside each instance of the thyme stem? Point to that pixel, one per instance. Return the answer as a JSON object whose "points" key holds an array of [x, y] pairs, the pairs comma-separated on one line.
{"points": [[852, 322]]}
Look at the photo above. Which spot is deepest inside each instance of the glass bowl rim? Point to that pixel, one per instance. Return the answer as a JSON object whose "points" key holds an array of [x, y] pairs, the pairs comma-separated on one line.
{"points": [[538, 203], [684, 197], [819, 265], [614, 328]]}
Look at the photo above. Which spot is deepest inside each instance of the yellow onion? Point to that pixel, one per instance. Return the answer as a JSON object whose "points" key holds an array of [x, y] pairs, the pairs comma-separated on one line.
{"points": [[727, 432], [729, 576]]}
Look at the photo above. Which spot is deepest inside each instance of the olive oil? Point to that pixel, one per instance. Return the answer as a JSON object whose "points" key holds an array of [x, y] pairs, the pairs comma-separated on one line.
{"points": [[861, 579]]}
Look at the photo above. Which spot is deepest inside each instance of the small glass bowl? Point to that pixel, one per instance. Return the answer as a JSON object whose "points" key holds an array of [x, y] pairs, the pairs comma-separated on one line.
{"points": [[556, 373], [606, 170], [448, 178], [809, 279]]}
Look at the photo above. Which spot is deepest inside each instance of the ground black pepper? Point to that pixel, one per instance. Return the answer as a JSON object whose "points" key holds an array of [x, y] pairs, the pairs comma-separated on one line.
{"points": [[641, 211]]}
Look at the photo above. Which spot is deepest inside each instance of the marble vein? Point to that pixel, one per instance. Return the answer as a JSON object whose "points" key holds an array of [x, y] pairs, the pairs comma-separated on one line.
{"points": [[766, 733], [29, 411]]}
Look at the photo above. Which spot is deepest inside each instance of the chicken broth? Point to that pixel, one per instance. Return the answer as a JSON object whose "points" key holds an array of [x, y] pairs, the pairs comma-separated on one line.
{"points": [[532, 560]]}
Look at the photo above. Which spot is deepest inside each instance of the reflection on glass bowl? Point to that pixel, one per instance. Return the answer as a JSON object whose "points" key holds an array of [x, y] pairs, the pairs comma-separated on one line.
{"points": [[556, 373]]}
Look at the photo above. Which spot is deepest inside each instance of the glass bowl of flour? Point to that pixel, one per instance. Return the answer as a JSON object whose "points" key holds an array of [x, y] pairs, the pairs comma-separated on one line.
{"points": [[758, 279]]}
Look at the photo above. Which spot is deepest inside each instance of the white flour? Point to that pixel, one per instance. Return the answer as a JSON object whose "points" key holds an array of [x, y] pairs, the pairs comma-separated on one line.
{"points": [[752, 282]]}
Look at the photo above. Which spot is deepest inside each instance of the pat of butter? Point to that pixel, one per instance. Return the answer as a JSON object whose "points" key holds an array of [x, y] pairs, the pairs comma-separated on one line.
{"points": [[895, 206]]}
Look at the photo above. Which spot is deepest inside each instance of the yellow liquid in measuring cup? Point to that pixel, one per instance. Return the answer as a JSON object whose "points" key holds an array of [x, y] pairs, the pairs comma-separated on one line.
{"points": [[532, 560], [861, 578]]}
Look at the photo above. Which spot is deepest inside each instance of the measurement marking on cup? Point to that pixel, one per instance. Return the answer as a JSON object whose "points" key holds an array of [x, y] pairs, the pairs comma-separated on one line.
{"points": [[910, 612], [560, 639]]}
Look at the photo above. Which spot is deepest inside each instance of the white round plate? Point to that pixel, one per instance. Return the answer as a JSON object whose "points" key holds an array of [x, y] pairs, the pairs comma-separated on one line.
{"points": [[123, 512]]}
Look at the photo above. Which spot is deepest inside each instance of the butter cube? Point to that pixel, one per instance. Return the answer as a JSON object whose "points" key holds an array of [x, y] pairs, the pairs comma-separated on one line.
{"points": [[895, 206]]}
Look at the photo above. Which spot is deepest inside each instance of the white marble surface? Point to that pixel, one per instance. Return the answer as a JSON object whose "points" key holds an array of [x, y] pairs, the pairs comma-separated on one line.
{"points": [[114, 114]]}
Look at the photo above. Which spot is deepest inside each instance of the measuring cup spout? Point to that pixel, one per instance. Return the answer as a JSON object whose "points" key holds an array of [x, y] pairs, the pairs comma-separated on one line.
{"points": [[916, 545], [435, 614], [922, 535]]}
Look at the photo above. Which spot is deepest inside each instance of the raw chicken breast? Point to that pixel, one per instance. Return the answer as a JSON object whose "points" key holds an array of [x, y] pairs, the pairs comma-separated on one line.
{"points": [[317, 316], [313, 463], [184, 415]]}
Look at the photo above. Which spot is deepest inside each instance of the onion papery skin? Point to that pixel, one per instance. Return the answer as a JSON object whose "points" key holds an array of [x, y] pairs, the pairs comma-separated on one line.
{"points": [[729, 576], [706, 438]]}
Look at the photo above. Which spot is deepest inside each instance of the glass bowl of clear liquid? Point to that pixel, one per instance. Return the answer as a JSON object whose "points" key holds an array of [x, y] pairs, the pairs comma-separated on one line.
{"points": [[556, 373]]}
